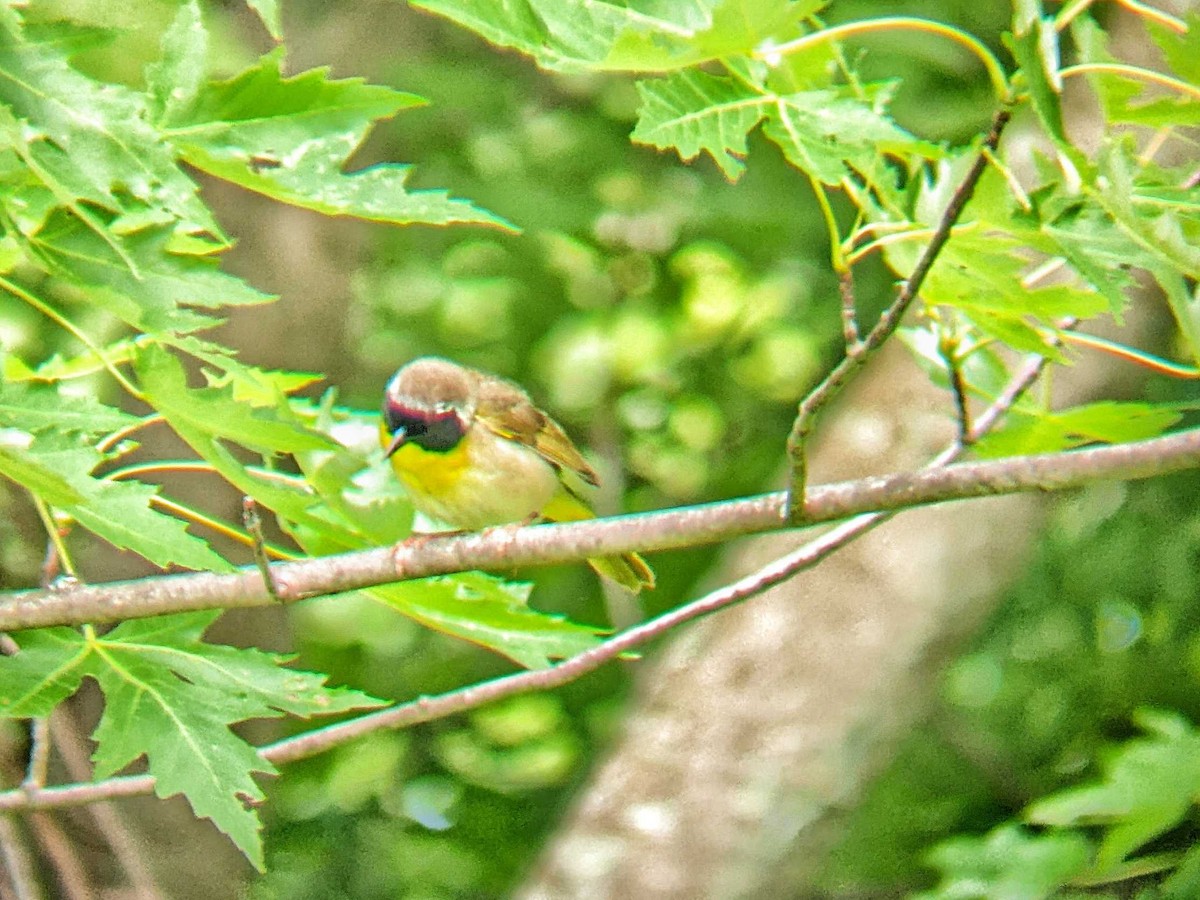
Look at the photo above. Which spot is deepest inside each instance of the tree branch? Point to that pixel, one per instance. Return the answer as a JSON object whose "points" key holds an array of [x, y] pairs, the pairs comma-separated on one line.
{"points": [[858, 352], [1138, 460], [508, 547]]}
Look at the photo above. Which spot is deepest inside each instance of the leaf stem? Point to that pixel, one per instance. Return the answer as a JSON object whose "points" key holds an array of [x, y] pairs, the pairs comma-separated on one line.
{"points": [[54, 535], [121, 434], [1134, 73], [995, 71], [1130, 354], [49, 312]]}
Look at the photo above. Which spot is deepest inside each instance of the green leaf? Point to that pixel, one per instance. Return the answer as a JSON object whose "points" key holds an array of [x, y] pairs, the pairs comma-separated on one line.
{"points": [[59, 368], [21, 462], [136, 278], [1148, 787], [489, 612], [290, 139], [1035, 46], [1107, 422], [825, 134], [174, 81], [1129, 100], [983, 271], [215, 412], [36, 408], [120, 511], [1009, 862], [1181, 51], [603, 36], [171, 698], [116, 157], [204, 417], [46, 672], [693, 112]]}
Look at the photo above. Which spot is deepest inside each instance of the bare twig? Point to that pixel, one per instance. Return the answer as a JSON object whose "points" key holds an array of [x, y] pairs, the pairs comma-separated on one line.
{"points": [[111, 825], [17, 865], [849, 310], [73, 882], [857, 356], [253, 523], [39, 753]]}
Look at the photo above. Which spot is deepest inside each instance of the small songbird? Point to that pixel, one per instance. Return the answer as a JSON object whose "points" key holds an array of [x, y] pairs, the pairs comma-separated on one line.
{"points": [[473, 451]]}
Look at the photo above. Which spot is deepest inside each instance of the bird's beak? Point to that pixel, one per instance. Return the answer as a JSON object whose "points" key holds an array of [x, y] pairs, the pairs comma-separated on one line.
{"points": [[396, 442]]}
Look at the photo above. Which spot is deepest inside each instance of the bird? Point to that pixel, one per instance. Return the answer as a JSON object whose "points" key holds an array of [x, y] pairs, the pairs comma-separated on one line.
{"points": [[473, 451]]}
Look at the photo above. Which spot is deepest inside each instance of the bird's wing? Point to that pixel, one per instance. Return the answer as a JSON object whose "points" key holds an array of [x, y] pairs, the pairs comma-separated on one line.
{"points": [[506, 410]]}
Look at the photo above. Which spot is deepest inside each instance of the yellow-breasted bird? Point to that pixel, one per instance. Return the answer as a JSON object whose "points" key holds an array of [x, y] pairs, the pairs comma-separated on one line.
{"points": [[473, 451]]}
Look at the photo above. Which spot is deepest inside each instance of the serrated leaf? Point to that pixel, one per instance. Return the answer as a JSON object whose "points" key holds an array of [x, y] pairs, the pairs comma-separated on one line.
{"points": [[984, 271], [203, 425], [60, 368], [48, 669], [604, 36], [215, 412], [173, 81], [1165, 238], [139, 281], [36, 408], [1035, 46], [825, 134], [1127, 100], [20, 463], [492, 613], [1147, 788], [1107, 422], [290, 139], [1009, 862], [1180, 50], [120, 511], [103, 129], [171, 698], [693, 112]]}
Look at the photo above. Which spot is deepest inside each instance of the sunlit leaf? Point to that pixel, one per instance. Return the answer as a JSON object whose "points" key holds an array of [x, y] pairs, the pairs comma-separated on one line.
{"points": [[290, 139], [490, 612]]}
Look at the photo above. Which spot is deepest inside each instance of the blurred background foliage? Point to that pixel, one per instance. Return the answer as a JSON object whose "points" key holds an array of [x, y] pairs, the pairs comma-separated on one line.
{"points": [[671, 321]]}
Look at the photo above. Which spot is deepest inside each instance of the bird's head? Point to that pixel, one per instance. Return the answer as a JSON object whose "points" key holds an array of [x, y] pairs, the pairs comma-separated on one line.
{"points": [[429, 402]]}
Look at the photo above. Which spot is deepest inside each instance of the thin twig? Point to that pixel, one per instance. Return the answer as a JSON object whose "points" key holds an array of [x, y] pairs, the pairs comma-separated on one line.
{"points": [[253, 524], [852, 362], [73, 882], [39, 753], [849, 310], [109, 823], [552, 544], [17, 864], [948, 348]]}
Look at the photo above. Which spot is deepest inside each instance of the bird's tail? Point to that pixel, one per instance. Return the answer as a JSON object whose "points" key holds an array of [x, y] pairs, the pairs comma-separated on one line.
{"points": [[628, 570]]}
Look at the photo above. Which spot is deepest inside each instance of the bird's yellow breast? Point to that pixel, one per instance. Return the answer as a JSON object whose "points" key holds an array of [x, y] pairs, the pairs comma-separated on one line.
{"points": [[430, 472], [484, 480]]}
